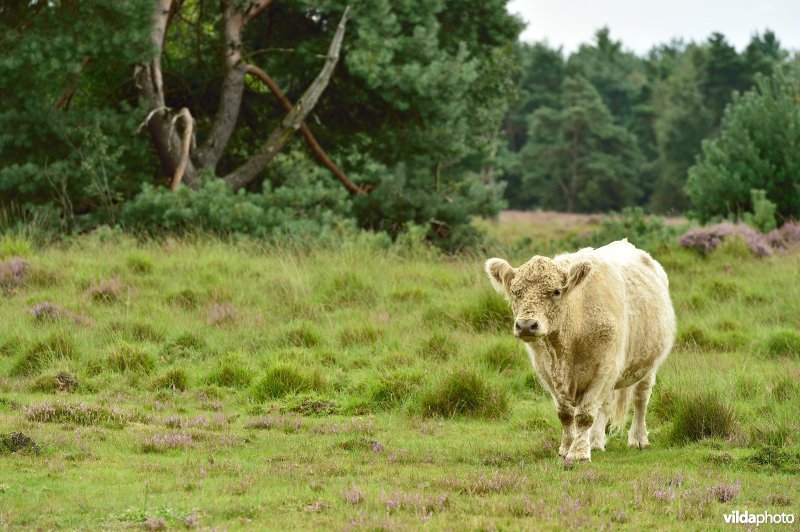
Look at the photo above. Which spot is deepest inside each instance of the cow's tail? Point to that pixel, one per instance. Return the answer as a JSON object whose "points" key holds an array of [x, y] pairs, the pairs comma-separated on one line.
{"points": [[619, 414]]}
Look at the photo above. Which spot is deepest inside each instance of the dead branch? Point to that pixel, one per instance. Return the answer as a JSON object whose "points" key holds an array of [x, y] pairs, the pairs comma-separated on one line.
{"points": [[306, 132], [248, 171], [252, 10], [150, 84], [186, 142]]}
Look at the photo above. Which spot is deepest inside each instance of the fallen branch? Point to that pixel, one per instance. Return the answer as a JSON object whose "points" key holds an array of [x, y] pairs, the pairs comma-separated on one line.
{"points": [[306, 132], [248, 171], [186, 142]]}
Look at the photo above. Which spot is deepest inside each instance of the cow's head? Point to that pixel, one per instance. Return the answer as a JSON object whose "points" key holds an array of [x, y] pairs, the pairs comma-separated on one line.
{"points": [[537, 290]]}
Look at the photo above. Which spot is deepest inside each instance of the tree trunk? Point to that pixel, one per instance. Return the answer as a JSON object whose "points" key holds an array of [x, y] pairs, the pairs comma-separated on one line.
{"points": [[151, 88], [248, 171]]}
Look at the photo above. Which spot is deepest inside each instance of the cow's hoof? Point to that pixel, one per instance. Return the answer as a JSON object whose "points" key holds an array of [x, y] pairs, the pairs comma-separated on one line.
{"points": [[563, 451], [599, 446], [579, 456], [638, 444]]}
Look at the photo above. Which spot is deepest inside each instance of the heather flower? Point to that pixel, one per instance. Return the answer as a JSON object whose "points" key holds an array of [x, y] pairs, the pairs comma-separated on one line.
{"points": [[353, 495], [664, 495], [78, 413], [163, 442], [275, 422], [222, 314], [422, 505], [47, 311], [724, 491], [107, 291], [13, 273]]}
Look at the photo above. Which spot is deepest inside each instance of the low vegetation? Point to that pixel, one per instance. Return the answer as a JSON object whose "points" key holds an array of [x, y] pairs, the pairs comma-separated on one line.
{"points": [[198, 383]]}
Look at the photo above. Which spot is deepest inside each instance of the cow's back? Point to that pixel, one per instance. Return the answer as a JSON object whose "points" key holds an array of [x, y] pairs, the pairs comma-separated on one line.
{"points": [[650, 318]]}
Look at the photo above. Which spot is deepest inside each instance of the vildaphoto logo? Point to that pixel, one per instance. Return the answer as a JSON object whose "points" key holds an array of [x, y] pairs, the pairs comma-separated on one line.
{"points": [[747, 518]]}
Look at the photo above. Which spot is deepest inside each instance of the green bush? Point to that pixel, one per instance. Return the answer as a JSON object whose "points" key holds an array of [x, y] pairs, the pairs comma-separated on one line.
{"points": [[231, 372], [763, 215], [57, 346], [753, 150]]}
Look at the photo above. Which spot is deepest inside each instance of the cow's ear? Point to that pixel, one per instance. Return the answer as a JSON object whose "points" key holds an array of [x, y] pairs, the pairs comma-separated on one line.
{"points": [[577, 273], [500, 274]]}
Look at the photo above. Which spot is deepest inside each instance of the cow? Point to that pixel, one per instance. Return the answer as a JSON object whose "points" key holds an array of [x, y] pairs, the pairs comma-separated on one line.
{"points": [[597, 324]]}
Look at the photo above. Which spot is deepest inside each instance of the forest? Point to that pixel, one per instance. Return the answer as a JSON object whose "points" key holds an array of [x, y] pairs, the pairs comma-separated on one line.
{"points": [[282, 119]]}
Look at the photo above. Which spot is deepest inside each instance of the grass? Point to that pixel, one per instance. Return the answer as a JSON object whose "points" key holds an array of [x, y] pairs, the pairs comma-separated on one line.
{"points": [[202, 383]]}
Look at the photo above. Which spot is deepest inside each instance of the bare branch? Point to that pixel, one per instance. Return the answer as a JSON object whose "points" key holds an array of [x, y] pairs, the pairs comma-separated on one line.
{"points": [[306, 132], [254, 9], [150, 85], [186, 142], [247, 172]]}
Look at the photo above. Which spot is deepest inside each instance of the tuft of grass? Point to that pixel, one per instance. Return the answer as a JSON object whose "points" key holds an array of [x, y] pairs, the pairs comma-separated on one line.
{"points": [[463, 392], [107, 291], [303, 334], [187, 299], [231, 372], [701, 416], [10, 346], [438, 346], [393, 388], [776, 458], [363, 335], [347, 289], [58, 346], [283, 379], [126, 357], [134, 332], [503, 356], [175, 379], [488, 312], [55, 382], [783, 342], [139, 263], [182, 346]]}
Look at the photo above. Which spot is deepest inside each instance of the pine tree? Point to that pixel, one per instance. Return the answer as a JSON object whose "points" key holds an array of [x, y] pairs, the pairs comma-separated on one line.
{"points": [[576, 158]]}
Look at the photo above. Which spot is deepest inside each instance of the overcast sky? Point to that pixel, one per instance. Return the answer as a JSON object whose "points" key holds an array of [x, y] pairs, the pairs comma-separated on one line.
{"points": [[642, 24]]}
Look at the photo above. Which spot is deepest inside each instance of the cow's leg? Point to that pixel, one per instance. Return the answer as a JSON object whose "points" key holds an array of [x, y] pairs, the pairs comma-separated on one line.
{"points": [[597, 436], [585, 415], [637, 436], [566, 414]]}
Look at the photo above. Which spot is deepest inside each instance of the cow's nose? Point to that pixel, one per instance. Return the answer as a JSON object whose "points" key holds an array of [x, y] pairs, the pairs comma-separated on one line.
{"points": [[526, 327]]}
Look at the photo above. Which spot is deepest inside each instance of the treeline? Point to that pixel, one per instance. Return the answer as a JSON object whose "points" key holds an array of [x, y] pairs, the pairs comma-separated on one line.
{"points": [[603, 128], [278, 117]]}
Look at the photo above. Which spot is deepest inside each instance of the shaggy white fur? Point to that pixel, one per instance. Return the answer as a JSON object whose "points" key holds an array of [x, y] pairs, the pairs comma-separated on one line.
{"points": [[604, 323]]}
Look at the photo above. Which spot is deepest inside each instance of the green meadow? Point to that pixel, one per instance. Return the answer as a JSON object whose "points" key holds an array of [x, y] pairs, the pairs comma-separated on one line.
{"points": [[365, 384]]}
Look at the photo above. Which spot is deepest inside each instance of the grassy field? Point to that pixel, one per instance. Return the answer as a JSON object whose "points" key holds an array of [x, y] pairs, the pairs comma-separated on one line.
{"points": [[198, 383]]}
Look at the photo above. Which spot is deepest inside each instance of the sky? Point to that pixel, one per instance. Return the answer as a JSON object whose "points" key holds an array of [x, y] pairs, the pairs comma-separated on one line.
{"points": [[642, 24]]}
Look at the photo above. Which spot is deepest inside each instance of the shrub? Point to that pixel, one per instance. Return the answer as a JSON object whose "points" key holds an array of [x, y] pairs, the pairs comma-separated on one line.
{"points": [[163, 442], [700, 416], [53, 382], [77, 413], [222, 315], [47, 312], [438, 346], [783, 342], [126, 357], [15, 442], [763, 216], [645, 232], [283, 379], [706, 239], [463, 392], [174, 379], [13, 273]]}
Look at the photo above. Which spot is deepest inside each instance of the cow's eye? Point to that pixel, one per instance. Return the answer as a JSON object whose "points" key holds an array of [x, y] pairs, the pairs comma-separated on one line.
{"points": [[556, 293]]}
